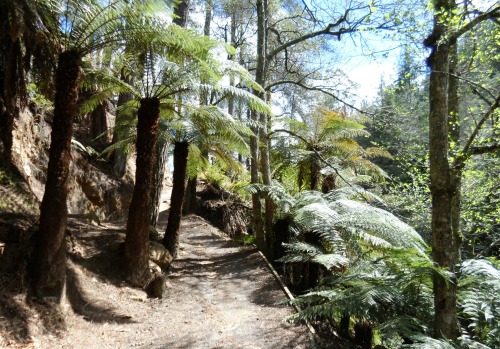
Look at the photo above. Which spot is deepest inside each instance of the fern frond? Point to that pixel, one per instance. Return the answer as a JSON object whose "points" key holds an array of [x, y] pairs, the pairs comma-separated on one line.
{"points": [[425, 342], [402, 325], [479, 300], [122, 144], [303, 252], [352, 193], [377, 222], [377, 152]]}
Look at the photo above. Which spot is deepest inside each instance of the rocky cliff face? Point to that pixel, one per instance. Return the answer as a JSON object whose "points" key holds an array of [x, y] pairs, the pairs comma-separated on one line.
{"points": [[92, 188]]}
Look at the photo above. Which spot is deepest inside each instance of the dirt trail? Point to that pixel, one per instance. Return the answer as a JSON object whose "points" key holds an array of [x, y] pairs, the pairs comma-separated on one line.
{"points": [[220, 295], [231, 293]]}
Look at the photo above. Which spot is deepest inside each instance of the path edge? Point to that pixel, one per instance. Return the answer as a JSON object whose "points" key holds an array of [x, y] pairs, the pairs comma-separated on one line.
{"points": [[312, 332]]}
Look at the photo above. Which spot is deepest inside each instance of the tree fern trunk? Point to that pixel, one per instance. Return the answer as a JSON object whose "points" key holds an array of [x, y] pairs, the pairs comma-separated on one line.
{"points": [[137, 239], [48, 263], [99, 126], [315, 173], [345, 322], [190, 200], [171, 238], [363, 334], [13, 92], [158, 176]]}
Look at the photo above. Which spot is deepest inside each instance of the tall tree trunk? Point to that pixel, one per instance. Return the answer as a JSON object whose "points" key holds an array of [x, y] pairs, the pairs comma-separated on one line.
{"points": [[99, 126], [190, 201], [120, 156], [454, 136], [254, 140], [158, 176], [265, 166], [171, 238], [137, 239], [13, 92], [48, 261], [208, 17], [444, 249], [264, 143], [254, 178], [181, 12], [190, 204]]}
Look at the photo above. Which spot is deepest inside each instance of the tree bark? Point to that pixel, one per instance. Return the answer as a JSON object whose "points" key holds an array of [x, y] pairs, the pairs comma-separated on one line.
{"points": [[259, 133], [254, 178], [158, 177], [99, 126], [181, 13], [13, 91], [171, 238], [137, 239], [48, 262], [454, 136], [444, 249], [190, 201], [315, 173]]}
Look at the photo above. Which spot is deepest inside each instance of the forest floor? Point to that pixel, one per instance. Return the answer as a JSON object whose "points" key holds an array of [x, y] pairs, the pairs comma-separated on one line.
{"points": [[219, 295]]}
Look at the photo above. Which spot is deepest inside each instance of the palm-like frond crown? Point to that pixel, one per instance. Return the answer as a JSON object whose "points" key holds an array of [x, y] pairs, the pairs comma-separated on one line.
{"points": [[380, 272], [176, 66], [88, 25], [327, 144]]}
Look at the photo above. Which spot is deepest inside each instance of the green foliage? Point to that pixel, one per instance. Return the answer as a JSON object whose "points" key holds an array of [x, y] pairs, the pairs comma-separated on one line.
{"points": [[409, 194], [479, 301], [325, 145], [379, 272], [481, 206], [39, 99], [220, 173], [351, 227], [393, 292], [246, 240]]}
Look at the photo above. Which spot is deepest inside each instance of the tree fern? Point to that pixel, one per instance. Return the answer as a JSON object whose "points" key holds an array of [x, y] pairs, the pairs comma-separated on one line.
{"points": [[327, 144], [479, 300], [377, 266]]}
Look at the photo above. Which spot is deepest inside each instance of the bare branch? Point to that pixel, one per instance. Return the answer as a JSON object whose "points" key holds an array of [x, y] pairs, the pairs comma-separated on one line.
{"points": [[487, 149], [326, 31], [475, 85], [491, 14], [319, 89], [467, 151]]}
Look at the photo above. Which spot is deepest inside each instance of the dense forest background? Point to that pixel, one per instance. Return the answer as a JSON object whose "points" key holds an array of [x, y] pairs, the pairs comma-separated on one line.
{"points": [[382, 215]]}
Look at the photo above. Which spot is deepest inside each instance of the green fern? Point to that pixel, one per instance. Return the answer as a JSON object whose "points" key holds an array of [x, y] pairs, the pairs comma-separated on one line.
{"points": [[479, 300], [327, 145], [378, 266]]}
